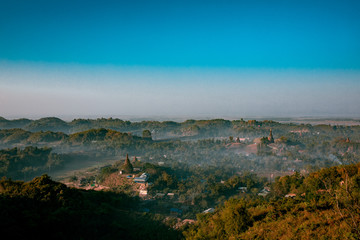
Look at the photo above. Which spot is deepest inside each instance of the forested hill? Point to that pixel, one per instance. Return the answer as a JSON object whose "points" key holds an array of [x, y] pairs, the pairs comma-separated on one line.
{"points": [[295, 147], [8, 137], [170, 129], [323, 205], [44, 209], [18, 160]]}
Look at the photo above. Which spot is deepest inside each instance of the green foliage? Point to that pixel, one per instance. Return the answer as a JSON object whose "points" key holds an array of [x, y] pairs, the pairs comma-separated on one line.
{"points": [[26, 163], [146, 134], [287, 184], [226, 223], [94, 135], [47, 124], [43, 208], [203, 170], [314, 213], [105, 172], [301, 147], [165, 180], [310, 144]]}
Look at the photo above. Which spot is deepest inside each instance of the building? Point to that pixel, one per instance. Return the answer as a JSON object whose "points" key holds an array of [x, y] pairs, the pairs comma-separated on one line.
{"points": [[264, 192], [209, 210], [142, 179], [143, 192], [270, 137], [242, 189]]}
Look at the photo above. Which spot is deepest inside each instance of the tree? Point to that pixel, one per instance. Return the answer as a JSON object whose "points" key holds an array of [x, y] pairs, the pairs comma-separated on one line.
{"points": [[146, 134], [226, 223], [235, 217], [346, 198]]}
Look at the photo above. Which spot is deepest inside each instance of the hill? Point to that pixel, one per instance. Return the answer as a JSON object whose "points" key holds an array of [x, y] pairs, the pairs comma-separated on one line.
{"points": [[193, 129], [16, 123], [43, 209], [324, 205]]}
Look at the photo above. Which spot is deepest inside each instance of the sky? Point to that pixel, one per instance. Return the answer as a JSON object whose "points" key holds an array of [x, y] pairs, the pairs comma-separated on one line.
{"points": [[179, 58]]}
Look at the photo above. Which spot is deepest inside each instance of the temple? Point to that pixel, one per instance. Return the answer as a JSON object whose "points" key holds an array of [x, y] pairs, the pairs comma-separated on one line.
{"points": [[127, 167], [127, 159], [270, 137]]}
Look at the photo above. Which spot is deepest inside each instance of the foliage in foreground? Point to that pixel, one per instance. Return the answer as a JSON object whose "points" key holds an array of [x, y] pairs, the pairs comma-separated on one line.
{"points": [[325, 205], [43, 208]]}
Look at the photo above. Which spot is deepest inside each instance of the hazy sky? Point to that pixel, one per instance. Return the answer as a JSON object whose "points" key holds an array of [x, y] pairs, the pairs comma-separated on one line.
{"points": [[193, 58]]}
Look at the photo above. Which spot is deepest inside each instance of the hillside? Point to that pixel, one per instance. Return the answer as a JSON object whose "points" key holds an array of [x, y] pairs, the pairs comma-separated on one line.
{"points": [[265, 180], [43, 209], [323, 205], [193, 129], [302, 148]]}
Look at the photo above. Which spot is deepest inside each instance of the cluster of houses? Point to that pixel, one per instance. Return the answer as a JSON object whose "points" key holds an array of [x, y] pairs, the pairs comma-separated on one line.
{"points": [[264, 192], [162, 195]]}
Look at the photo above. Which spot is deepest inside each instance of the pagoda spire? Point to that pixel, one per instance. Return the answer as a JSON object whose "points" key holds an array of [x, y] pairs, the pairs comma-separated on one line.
{"points": [[127, 167], [270, 137], [127, 159]]}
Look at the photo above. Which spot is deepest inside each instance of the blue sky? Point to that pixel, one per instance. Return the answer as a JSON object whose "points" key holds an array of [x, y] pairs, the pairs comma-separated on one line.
{"points": [[208, 58]]}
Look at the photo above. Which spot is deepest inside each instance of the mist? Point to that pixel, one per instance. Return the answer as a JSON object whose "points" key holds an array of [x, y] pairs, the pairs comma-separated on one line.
{"points": [[39, 90]]}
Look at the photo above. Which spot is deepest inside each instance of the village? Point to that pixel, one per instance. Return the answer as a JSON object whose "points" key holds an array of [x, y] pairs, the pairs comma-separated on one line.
{"points": [[137, 179], [161, 190]]}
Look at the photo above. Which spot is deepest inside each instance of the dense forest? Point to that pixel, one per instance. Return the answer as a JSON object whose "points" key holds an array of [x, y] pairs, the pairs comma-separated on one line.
{"points": [[323, 205], [23, 163], [44, 209], [206, 179], [193, 129], [237, 146]]}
